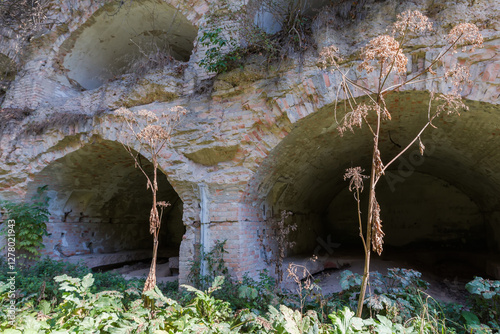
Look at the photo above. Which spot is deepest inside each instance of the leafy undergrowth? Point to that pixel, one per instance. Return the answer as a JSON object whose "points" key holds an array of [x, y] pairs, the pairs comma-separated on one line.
{"points": [[83, 302]]}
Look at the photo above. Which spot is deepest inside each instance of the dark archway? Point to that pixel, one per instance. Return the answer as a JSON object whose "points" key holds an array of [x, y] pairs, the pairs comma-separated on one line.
{"points": [[100, 205], [440, 210]]}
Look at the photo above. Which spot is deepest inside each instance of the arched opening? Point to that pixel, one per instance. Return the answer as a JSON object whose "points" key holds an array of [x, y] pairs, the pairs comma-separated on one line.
{"points": [[440, 211], [100, 206], [123, 33]]}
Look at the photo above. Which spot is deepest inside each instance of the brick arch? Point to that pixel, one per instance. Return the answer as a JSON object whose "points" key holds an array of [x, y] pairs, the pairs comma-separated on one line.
{"points": [[106, 133], [113, 35], [316, 91], [303, 174], [105, 128]]}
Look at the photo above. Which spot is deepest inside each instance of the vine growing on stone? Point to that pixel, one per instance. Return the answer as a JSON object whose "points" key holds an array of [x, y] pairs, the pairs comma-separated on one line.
{"points": [[385, 64], [150, 133], [231, 33]]}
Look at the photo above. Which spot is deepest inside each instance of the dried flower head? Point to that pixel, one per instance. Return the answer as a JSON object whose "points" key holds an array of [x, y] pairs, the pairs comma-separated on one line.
{"points": [[353, 118], [163, 204], [385, 51], [153, 132], [451, 104], [465, 34], [458, 76], [125, 113], [329, 56], [148, 115], [177, 112], [377, 233], [411, 21], [355, 174]]}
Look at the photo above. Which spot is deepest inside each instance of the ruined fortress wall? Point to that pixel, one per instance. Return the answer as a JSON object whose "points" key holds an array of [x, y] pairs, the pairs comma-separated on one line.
{"points": [[261, 139]]}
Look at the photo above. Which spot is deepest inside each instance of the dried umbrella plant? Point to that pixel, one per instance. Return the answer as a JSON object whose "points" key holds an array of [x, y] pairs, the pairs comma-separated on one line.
{"points": [[151, 132], [384, 54]]}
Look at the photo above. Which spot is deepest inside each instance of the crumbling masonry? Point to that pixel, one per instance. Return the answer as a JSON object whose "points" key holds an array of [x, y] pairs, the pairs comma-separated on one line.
{"points": [[257, 139]]}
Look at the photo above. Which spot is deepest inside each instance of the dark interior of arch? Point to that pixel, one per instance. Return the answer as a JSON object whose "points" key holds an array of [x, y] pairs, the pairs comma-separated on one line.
{"points": [[440, 210], [99, 204], [121, 33]]}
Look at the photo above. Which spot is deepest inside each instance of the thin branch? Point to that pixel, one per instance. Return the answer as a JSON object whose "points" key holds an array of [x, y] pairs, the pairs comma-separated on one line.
{"points": [[428, 67], [360, 221], [403, 151]]}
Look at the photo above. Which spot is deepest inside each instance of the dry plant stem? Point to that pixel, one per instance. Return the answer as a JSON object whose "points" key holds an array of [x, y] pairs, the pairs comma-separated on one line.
{"points": [[404, 150], [387, 52], [152, 137], [371, 201], [360, 220], [151, 280]]}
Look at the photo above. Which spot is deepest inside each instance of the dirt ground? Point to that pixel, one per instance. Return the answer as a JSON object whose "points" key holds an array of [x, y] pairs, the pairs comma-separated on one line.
{"points": [[442, 289], [447, 279]]}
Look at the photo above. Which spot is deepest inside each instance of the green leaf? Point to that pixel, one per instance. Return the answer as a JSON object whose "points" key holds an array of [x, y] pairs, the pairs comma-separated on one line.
{"points": [[87, 282], [489, 294], [470, 318]]}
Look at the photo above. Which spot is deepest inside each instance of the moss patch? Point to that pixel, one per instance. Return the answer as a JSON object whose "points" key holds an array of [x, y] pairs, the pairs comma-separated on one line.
{"points": [[211, 156], [149, 94]]}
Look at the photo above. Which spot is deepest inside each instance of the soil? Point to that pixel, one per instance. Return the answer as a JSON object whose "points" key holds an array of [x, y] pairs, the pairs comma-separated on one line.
{"points": [[441, 288], [446, 272]]}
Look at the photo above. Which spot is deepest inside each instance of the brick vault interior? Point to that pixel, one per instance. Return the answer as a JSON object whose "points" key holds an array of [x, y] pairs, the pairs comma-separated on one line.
{"points": [[99, 205], [439, 210]]}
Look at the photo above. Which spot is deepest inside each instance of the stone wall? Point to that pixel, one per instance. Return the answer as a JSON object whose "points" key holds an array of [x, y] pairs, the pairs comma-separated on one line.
{"points": [[263, 140]]}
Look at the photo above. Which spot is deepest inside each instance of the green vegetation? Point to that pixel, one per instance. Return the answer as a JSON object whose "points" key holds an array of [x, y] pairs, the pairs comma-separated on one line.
{"points": [[26, 225], [230, 35], [82, 302]]}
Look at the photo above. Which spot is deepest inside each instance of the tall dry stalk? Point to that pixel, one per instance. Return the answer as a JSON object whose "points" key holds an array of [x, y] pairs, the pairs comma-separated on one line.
{"points": [[151, 132], [384, 55]]}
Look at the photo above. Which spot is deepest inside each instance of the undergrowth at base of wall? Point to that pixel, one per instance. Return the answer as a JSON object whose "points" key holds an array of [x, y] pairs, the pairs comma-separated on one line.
{"points": [[82, 302]]}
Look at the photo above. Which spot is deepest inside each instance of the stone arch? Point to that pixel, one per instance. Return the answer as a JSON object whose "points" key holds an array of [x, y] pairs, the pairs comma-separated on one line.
{"points": [[441, 203], [64, 141], [119, 34], [99, 205]]}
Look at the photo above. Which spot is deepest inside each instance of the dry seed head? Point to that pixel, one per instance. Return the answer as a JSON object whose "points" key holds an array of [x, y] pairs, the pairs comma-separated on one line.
{"points": [[465, 34], [124, 112], [329, 56], [153, 132], [148, 115], [353, 118], [412, 21], [385, 50], [177, 111], [355, 174], [458, 75], [451, 104]]}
